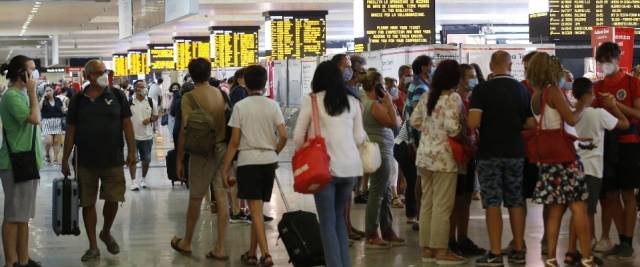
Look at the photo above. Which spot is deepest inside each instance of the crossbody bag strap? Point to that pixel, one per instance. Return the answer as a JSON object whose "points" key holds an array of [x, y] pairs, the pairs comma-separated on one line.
{"points": [[33, 139], [193, 101], [6, 140], [315, 116]]}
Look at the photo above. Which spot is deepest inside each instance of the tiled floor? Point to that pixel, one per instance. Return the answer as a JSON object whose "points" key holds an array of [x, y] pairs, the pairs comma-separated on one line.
{"points": [[148, 219]]}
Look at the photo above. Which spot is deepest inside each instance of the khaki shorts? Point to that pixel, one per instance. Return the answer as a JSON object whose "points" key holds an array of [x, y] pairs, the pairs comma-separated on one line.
{"points": [[205, 171], [110, 181]]}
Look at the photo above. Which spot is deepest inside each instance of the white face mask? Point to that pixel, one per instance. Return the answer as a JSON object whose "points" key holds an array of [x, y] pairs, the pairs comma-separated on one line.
{"points": [[103, 81], [35, 75], [609, 68], [408, 79]]}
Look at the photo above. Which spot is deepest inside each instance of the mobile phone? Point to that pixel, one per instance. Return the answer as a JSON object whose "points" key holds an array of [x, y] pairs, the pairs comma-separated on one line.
{"points": [[380, 91]]}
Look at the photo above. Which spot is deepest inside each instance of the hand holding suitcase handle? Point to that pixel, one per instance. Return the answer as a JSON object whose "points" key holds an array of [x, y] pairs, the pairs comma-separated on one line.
{"points": [[66, 171]]}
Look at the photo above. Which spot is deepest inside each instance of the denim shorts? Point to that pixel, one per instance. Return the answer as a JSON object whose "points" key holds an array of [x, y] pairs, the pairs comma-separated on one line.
{"points": [[501, 182], [144, 150]]}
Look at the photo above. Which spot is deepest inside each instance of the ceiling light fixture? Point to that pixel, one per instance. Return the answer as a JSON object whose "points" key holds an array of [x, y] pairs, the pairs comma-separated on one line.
{"points": [[34, 10]]}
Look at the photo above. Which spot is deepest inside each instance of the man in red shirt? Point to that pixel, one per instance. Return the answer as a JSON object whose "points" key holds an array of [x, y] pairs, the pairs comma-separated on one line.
{"points": [[405, 75], [622, 156]]}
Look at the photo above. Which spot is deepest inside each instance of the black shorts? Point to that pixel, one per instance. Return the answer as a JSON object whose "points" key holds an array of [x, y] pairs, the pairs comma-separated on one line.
{"points": [[255, 182], [466, 182], [625, 174], [530, 177]]}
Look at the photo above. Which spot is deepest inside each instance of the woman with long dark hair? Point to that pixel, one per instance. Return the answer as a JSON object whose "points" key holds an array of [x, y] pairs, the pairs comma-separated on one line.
{"points": [[53, 112], [20, 115], [437, 117], [341, 126]]}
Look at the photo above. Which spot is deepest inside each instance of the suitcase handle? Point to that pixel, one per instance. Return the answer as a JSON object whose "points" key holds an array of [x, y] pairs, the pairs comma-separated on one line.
{"points": [[284, 197]]}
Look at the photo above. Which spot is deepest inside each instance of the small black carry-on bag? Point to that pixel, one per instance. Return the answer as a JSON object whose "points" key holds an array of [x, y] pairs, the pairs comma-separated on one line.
{"points": [[66, 203], [300, 233]]}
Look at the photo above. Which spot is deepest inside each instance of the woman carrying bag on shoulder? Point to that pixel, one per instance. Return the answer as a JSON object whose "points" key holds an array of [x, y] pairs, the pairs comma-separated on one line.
{"points": [[20, 159], [340, 120]]}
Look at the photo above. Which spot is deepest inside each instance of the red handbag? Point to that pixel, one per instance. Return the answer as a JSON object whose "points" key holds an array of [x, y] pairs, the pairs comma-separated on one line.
{"points": [[462, 152], [310, 163], [549, 146]]}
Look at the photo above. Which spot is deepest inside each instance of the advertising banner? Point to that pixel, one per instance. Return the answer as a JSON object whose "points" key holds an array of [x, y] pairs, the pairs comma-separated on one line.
{"points": [[623, 36]]}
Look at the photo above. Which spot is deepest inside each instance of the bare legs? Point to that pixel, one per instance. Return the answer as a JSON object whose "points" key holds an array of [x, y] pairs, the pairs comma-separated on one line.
{"points": [[579, 221], [258, 235], [15, 241], [193, 214]]}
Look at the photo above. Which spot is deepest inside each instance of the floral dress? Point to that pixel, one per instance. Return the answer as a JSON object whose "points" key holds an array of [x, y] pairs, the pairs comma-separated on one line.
{"points": [[559, 183]]}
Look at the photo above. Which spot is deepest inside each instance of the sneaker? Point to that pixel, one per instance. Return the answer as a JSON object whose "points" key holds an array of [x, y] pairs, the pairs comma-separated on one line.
{"points": [[377, 244], [613, 252], [396, 241], [30, 263], [135, 186], [142, 183], [468, 248], [239, 218], [603, 245], [518, 257], [450, 258], [490, 260], [625, 253], [91, 254], [453, 247]]}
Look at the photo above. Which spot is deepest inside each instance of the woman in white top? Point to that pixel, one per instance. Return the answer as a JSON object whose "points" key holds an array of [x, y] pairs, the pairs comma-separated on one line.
{"points": [[341, 126], [559, 185]]}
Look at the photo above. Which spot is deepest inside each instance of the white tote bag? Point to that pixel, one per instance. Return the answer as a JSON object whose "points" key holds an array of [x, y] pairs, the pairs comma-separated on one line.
{"points": [[370, 156]]}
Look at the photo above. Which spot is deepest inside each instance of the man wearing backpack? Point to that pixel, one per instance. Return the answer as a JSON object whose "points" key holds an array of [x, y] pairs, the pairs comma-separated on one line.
{"points": [[203, 137], [144, 112]]}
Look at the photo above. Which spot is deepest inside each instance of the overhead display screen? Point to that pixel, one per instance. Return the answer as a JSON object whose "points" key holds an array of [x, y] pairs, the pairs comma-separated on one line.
{"points": [[161, 57], [121, 68], [190, 47], [573, 19], [397, 23], [137, 62], [297, 34], [539, 27], [360, 45], [235, 46]]}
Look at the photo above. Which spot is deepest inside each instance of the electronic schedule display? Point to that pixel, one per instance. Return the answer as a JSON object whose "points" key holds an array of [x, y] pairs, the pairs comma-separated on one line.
{"points": [[120, 66], [137, 61], [397, 23], [189, 47], [234, 46], [161, 56], [297, 34], [573, 19]]}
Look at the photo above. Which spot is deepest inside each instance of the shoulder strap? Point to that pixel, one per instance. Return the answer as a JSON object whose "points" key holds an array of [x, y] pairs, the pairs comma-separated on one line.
{"points": [[33, 139], [150, 103], [192, 101], [315, 116]]}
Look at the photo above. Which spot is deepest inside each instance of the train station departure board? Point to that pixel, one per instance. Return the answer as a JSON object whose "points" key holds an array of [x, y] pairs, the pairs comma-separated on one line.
{"points": [[573, 19], [397, 23], [137, 61], [121, 68], [297, 34], [161, 57], [189, 47], [235, 46]]}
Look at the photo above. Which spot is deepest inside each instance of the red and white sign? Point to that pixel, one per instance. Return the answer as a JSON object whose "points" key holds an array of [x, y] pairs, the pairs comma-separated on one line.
{"points": [[623, 36]]}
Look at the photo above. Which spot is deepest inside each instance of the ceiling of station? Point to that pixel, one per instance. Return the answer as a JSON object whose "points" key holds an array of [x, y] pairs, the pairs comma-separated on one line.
{"points": [[90, 27]]}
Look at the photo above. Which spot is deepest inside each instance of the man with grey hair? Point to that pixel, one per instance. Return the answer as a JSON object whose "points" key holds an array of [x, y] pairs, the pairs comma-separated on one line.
{"points": [[358, 73], [97, 118]]}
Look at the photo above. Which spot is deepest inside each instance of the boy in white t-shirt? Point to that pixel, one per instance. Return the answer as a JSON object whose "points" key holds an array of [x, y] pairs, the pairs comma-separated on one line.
{"points": [[590, 147]]}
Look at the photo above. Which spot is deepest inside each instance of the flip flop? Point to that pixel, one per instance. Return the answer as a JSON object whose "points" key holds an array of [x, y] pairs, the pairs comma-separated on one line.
{"points": [[174, 244], [213, 256]]}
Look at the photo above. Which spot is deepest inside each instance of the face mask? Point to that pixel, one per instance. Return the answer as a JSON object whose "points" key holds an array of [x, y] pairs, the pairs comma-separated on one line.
{"points": [[347, 74], [433, 72], [562, 83], [393, 91], [408, 79], [609, 68], [143, 92], [472, 83], [35, 75], [103, 81]]}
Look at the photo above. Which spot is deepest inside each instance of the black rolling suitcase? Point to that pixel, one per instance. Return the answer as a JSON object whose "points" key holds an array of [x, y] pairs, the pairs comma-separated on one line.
{"points": [[66, 203], [170, 160], [300, 233]]}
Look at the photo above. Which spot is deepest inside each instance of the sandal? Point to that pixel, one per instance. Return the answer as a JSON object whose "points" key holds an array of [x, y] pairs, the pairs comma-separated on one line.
{"points": [[266, 261], [572, 258], [213, 256], [248, 260], [175, 244], [590, 262], [551, 263]]}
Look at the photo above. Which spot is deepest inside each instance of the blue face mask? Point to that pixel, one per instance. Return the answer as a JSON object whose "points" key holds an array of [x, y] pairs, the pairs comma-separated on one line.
{"points": [[472, 84], [562, 83], [347, 74], [393, 91]]}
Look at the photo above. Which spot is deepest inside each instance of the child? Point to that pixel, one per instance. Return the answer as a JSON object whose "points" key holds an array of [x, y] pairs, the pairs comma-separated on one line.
{"points": [[255, 120], [591, 129]]}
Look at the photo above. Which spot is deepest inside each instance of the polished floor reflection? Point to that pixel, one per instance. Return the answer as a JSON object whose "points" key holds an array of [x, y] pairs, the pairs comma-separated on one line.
{"points": [[149, 218]]}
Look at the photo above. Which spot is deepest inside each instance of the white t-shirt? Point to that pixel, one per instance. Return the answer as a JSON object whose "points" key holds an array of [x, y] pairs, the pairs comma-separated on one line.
{"points": [[592, 125], [141, 110], [258, 118], [154, 91]]}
